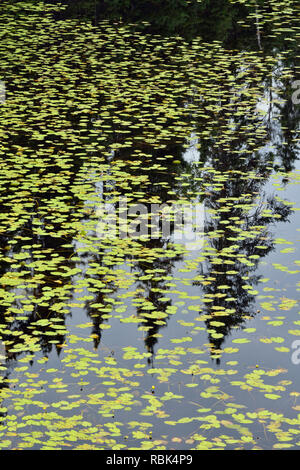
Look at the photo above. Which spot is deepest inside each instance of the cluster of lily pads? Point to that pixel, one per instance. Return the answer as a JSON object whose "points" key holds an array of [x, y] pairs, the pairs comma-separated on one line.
{"points": [[139, 343]]}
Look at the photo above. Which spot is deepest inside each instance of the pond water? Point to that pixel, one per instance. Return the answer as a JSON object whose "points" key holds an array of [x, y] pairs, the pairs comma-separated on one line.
{"points": [[113, 341]]}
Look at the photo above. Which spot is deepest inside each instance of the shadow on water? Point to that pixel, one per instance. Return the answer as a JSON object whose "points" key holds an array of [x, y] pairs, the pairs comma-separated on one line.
{"points": [[246, 174]]}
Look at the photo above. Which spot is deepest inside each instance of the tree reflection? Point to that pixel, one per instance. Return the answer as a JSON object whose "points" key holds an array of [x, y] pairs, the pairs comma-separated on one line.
{"points": [[237, 237]]}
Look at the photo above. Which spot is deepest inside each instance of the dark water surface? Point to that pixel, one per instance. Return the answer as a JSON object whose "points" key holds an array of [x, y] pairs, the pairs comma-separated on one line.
{"points": [[111, 342]]}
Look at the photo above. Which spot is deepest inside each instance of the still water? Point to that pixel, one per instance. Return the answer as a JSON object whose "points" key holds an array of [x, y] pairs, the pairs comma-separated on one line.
{"points": [[121, 342]]}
